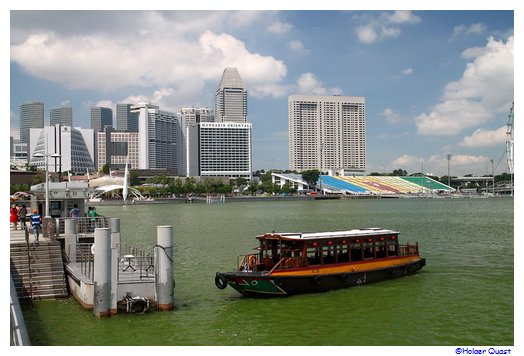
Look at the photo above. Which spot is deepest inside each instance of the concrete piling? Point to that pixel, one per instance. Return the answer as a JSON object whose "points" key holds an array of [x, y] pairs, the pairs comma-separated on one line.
{"points": [[115, 248], [102, 273], [70, 239], [164, 271]]}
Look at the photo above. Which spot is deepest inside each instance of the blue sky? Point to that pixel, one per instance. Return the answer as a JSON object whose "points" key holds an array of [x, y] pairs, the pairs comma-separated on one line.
{"points": [[435, 82]]}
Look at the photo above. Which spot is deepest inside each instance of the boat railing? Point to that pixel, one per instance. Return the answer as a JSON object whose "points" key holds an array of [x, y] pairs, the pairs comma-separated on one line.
{"points": [[247, 263], [409, 249]]}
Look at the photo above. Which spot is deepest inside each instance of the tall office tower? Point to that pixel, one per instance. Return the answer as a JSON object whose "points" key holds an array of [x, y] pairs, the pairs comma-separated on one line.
{"points": [[159, 135], [190, 117], [225, 149], [327, 133], [231, 98], [125, 119], [62, 116], [31, 116], [101, 117]]}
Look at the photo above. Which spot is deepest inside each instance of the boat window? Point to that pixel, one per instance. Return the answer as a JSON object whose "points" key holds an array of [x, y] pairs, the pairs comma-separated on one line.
{"points": [[313, 255], [356, 252], [368, 250], [380, 249], [392, 248], [328, 254], [343, 253]]}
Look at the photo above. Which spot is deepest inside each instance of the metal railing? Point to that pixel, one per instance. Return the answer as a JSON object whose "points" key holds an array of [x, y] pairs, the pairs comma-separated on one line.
{"points": [[85, 225], [134, 262], [409, 249]]}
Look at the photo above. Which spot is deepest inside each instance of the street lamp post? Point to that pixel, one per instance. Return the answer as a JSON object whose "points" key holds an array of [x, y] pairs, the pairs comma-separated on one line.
{"points": [[46, 155], [493, 176], [448, 156]]}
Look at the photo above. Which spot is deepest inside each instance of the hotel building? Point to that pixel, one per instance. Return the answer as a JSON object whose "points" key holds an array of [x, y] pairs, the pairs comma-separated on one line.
{"points": [[327, 133]]}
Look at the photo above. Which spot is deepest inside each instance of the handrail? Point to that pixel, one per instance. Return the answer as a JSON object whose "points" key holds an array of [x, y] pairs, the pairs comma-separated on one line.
{"points": [[278, 264], [18, 333], [29, 262]]}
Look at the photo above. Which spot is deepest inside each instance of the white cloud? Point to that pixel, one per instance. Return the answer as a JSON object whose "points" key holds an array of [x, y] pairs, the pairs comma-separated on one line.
{"points": [[367, 34], [391, 116], [407, 162], [385, 25], [279, 27], [485, 89], [297, 46], [403, 16], [438, 164], [181, 64], [485, 138], [407, 71], [475, 29], [309, 84]]}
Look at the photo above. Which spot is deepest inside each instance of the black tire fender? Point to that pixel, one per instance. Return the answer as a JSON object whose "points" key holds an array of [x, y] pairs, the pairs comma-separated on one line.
{"points": [[220, 281]]}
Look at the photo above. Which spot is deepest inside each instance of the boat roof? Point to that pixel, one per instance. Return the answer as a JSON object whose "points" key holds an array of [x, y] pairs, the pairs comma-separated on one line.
{"points": [[373, 231]]}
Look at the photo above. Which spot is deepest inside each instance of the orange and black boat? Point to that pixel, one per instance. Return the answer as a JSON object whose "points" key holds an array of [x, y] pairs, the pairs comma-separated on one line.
{"points": [[295, 263]]}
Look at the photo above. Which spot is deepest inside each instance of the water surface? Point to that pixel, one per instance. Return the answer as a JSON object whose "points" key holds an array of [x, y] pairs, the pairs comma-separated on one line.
{"points": [[464, 295]]}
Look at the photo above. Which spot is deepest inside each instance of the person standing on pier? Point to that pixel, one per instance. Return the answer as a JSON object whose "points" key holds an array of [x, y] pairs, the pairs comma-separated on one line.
{"points": [[36, 221], [22, 213], [13, 216], [93, 214], [75, 212]]}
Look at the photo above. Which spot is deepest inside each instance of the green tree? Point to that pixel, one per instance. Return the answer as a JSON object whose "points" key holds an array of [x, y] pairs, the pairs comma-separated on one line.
{"points": [[105, 168], [311, 177], [399, 172]]}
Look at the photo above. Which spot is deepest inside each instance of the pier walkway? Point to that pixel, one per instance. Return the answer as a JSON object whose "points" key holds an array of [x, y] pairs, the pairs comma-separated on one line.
{"points": [[37, 270]]}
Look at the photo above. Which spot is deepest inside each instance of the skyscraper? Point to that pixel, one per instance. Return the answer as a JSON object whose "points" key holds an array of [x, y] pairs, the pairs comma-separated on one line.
{"points": [[327, 133], [62, 115], [101, 117], [159, 135], [125, 119], [231, 98], [31, 116]]}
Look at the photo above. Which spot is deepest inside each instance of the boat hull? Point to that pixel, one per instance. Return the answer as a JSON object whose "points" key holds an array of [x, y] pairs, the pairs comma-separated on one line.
{"points": [[258, 284]]}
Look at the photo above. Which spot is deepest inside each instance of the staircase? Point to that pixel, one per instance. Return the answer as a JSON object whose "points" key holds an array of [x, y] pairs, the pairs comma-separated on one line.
{"points": [[38, 270]]}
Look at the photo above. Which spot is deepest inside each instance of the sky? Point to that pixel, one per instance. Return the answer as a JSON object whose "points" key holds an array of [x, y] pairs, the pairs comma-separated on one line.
{"points": [[436, 82]]}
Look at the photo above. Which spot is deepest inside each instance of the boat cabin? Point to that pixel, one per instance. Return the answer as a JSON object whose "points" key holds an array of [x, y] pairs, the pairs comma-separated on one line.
{"points": [[302, 250]]}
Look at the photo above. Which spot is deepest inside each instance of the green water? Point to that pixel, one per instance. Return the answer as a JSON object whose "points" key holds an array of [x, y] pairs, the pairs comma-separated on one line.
{"points": [[464, 296]]}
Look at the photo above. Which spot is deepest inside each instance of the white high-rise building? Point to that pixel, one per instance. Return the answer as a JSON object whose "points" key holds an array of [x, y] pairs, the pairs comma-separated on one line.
{"points": [[231, 98], [74, 145], [225, 149], [159, 135], [191, 117], [327, 133]]}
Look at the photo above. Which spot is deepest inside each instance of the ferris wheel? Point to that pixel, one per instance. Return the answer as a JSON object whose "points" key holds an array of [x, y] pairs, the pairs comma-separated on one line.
{"points": [[509, 140]]}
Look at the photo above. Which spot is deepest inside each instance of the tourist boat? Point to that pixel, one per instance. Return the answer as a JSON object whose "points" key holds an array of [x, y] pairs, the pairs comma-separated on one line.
{"points": [[295, 263]]}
